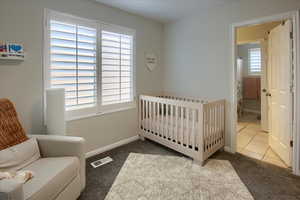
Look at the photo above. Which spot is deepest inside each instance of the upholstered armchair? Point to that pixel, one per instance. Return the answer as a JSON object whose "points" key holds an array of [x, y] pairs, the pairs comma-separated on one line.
{"points": [[57, 162]]}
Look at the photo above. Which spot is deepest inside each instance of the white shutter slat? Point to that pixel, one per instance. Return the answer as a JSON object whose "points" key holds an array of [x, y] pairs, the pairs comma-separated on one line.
{"points": [[73, 63], [254, 56]]}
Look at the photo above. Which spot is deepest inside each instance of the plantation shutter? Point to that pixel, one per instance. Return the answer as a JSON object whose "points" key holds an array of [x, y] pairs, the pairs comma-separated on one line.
{"points": [[117, 68], [255, 60], [73, 63]]}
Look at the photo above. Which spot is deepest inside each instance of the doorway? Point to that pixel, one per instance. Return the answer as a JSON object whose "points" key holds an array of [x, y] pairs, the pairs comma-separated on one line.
{"points": [[253, 132], [264, 91]]}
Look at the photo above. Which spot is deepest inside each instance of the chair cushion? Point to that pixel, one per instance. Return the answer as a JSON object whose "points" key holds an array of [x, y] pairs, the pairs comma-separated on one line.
{"points": [[11, 130], [51, 176], [16, 157]]}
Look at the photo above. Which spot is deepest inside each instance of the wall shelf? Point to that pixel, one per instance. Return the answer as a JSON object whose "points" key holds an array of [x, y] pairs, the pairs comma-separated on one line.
{"points": [[12, 56]]}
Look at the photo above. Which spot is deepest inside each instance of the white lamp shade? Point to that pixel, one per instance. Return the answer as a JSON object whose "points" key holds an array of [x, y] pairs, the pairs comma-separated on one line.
{"points": [[55, 111]]}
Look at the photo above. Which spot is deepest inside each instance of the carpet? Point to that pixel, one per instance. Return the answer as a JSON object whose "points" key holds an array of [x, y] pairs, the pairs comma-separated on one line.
{"points": [[157, 177]]}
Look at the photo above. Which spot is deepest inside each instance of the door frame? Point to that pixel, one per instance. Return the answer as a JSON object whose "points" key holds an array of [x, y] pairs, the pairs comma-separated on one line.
{"points": [[294, 16]]}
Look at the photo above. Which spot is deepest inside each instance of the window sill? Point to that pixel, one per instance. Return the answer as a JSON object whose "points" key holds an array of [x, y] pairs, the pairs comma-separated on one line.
{"points": [[253, 75], [101, 113]]}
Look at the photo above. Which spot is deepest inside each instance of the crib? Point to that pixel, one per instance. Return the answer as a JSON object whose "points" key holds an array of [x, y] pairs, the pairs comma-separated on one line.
{"points": [[192, 127]]}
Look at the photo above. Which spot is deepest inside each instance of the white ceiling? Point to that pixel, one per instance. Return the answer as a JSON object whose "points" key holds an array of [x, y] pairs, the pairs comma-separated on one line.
{"points": [[163, 10]]}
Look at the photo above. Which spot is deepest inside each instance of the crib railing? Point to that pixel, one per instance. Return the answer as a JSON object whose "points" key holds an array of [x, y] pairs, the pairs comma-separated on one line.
{"points": [[188, 126], [189, 99], [172, 120]]}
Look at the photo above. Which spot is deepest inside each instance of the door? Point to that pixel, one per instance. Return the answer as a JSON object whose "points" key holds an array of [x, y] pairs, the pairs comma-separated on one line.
{"points": [[264, 86], [279, 96]]}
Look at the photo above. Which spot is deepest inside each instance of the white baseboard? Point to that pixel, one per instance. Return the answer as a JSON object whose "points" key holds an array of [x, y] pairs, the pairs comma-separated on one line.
{"points": [[251, 111], [111, 146]]}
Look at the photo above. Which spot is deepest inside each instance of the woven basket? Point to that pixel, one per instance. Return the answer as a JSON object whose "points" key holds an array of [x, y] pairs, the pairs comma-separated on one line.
{"points": [[11, 130]]}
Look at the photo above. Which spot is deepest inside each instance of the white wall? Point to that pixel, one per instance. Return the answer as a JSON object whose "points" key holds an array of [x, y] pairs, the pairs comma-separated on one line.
{"points": [[22, 21], [198, 48]]}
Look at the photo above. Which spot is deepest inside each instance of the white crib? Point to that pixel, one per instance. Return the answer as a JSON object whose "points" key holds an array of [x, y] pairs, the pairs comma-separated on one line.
{"points": [[193, 127]]}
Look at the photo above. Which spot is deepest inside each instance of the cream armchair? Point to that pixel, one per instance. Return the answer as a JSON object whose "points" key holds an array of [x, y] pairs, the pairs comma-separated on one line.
{"points": [[59, 174]]}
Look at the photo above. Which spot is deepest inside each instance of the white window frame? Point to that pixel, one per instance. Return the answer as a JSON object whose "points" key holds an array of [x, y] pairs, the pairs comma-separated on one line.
{"points": [[98, 109], [249, 62]]}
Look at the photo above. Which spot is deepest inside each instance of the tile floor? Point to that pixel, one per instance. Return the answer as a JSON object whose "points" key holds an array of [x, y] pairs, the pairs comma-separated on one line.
{"points": [[253, 142]]}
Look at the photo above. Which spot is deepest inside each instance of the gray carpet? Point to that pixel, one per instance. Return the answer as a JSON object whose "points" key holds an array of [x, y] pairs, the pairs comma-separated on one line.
{"points": [[264, 181]]}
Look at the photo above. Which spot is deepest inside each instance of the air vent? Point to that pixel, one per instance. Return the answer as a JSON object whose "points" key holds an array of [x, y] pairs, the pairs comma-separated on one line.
{"points": [[101, 162]]}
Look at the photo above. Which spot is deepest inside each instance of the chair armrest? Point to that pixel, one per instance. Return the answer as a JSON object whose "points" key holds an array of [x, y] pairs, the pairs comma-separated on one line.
{"points": [[57, 146], [11, 190]]}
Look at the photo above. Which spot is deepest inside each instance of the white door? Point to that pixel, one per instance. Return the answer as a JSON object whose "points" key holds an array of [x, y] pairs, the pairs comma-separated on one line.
{"points": [[264, 86], [280, 97]]}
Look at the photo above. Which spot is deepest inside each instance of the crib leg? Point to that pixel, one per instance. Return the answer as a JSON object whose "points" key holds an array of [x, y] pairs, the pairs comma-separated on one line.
{"points": [[198, 162], [142, 138]]}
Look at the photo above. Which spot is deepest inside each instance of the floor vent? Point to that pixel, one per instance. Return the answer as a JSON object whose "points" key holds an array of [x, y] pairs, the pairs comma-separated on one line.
{"points": [[101, 162]]}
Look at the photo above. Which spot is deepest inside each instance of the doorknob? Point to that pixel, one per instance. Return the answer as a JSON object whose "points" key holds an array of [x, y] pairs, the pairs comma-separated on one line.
{"points": [[268, 94], [264, 90]]}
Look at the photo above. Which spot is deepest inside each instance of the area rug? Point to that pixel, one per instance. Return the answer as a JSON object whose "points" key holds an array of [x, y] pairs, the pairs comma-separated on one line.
{"points": [[157, 177]]}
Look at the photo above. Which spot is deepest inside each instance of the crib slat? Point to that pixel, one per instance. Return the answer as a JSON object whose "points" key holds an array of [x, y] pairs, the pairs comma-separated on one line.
{"points": [[220, 123], [163, 121], [157, 118], [213, 126], [150, 116], [205, 127], [171, 123], [176, 124], [209, 127], [188, 130], [167, 121], [201, 129], [140, 114], [160, 119], [144, 114], [222, 119], [181, 126], [217, 124], [193, 128]]}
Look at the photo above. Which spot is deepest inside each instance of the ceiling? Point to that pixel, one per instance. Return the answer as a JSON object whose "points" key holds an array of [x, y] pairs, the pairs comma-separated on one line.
{"points": [[163, 10]]}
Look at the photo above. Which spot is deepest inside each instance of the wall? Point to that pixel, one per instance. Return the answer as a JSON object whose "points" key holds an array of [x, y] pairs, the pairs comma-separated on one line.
{"points": [[22, 21], [250, 34], [198, 49]]}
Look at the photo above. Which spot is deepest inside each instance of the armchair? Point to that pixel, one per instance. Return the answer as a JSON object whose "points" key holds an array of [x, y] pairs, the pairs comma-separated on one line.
{"points": [[59, 171]]}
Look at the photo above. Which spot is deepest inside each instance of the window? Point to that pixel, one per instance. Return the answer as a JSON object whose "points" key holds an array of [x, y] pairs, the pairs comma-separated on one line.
{"points": [[92, 61], [254, 56], [73, 63], [117, 83]]}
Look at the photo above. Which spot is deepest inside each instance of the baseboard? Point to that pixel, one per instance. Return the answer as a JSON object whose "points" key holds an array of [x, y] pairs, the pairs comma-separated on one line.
{"points": [[111, 146], [251, 111]]}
